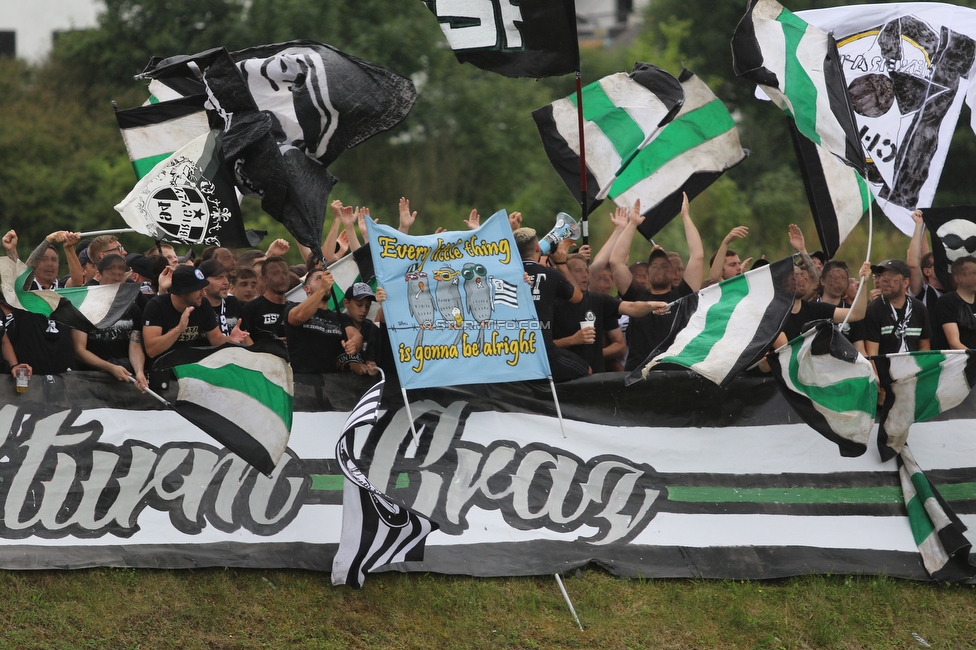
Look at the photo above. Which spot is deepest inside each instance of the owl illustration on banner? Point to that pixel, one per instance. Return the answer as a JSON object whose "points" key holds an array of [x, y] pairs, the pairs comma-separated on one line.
{"points": [[420, 301]]}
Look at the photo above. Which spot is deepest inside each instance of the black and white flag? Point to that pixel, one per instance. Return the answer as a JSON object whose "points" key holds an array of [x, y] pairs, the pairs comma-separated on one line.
{"points": [[515, 38], [505, 293], [953, 236], [375, 530]]}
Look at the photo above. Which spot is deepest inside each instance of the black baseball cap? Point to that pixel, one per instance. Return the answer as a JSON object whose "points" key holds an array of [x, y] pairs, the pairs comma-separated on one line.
{"points": [[140, 264], [212, 267], [656, 253], [895, 266], [187, 279], [360, 290]]}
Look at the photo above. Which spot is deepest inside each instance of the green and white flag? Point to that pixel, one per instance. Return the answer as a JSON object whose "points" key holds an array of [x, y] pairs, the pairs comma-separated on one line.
{"points": [[829, 385], [83, 308], [938, 532], [242, 396], [919, 386], [723, 329], [798, 66], [153, 132]]}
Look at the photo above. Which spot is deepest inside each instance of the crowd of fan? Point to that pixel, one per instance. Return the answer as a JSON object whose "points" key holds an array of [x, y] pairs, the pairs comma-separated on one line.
{"points": [[222, 297]]}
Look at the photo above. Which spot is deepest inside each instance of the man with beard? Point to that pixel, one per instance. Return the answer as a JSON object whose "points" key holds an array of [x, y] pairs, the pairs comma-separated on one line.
{"points": [[895, 321], [320, 340], [262, 316], [116, 349], [645, 333], [226, 307]]}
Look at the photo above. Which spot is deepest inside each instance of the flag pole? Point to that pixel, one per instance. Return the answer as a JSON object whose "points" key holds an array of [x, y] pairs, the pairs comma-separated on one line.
{"points": [[413, 427], [96, 233], [153, 393], [867, 258], [572, 610], [559, 411], [584, 200]]}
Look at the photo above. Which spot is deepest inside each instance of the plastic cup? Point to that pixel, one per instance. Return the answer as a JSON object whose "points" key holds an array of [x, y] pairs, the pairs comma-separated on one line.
{"points": [[22, 380]]}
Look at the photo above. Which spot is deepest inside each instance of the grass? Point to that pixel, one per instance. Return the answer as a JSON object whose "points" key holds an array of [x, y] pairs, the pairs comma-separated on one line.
{"points": [[225, 608]]}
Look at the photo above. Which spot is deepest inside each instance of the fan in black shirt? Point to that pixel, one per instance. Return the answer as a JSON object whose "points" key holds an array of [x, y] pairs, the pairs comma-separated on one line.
{"points": [[955, 312], [262, 317]]}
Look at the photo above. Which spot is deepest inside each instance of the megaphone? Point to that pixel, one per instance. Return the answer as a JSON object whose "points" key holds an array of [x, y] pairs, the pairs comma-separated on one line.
{"points": [[565, 228]]}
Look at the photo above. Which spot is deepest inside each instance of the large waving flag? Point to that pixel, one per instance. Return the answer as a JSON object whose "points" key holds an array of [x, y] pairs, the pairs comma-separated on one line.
{"points": [[621, 112], [830, 385], [152, 133], [242, 396], [289, 110], [953, 236], [515, 38], [725, 328], [938, 531], [83, 308], [919, 386], [375, 530], [837, 194], [189, 198], [798, 66], [908, 68]]}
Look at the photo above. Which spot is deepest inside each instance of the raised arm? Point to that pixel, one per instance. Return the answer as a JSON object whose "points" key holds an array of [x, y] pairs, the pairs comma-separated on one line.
{"points": [[696, 252], [622, 277], [10, 245], [798, 242], [406, 217], [349, 218], [74, 264], [915, 254], [859, 308], [619, 220], [715, 272]]}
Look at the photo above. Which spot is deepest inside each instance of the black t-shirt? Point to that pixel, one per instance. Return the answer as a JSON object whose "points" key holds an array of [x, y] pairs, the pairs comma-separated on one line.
{"points": [[929, 296], [316, 345], [794, 324], [548, 284], [882, 327], [228, 313], [951, 308], [161, 313], [600, 309], [645, 333], [261, 317], [113, 342], [43, 344]]}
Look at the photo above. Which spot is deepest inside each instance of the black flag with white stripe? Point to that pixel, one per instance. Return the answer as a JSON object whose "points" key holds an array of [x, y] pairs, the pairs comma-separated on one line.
{"points": [[375, 530]]}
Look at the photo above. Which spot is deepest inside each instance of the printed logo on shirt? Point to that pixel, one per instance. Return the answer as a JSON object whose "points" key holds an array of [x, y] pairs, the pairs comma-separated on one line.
{"points": [[271, 319]]}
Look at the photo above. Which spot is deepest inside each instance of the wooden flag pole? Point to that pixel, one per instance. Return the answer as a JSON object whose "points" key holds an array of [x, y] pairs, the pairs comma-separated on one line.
{"points": [[584, 200]]}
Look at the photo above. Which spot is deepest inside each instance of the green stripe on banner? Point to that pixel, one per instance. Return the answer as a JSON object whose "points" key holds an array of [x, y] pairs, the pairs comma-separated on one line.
{"points": [[919, 520], [798, 86], [716, 323], [927, 385], [329, 482], [680, 136], [145, 165], [879, 494], [845, 395], [30, 301], [249, 382], [75, 295], [616, 123], [865, 192]]}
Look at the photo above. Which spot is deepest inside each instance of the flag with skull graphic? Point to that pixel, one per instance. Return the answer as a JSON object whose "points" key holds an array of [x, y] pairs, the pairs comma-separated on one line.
{"points": [[953, 236]]}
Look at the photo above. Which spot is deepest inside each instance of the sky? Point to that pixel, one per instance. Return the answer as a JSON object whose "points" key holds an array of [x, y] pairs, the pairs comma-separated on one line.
{"points": [[35, 20]]}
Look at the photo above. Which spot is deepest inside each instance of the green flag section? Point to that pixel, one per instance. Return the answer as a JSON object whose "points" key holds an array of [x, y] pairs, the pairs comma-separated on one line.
{"points": [[153, 132], [83, 308], [837, 194], [621, 112], [938, 532], [345, 273], [798, 66], [725, 328], [685, 157], [829, 385], [919, 386], [243, 397]]}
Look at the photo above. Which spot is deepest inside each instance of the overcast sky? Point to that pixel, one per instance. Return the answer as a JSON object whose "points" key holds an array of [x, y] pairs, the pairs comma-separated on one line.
{"points": [[34, 20]]}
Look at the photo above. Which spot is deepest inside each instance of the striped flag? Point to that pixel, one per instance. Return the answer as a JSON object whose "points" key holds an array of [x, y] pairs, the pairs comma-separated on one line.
{"points": [[243, 397], [798, 66], [83, 308], [919, 386], [725, 328], [938, 532], [505, 293], [152, 133], [829, 385], [837, 194], [620, 112], [375, 530]]}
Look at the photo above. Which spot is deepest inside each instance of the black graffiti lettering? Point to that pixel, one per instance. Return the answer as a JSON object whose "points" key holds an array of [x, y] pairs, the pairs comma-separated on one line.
{"points": [[60, 481], [536, 486]]}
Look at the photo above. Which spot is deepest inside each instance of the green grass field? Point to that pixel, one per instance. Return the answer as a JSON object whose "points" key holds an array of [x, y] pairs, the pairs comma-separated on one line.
{"points": [[217, 608]]}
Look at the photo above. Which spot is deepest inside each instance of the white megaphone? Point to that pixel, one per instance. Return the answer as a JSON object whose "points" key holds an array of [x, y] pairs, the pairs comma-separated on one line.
{"points": [[565, 228]]}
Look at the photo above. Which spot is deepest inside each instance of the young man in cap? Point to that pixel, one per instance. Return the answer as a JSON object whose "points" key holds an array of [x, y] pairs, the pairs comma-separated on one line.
{"points": [[319, 339], [227, 308], [116, 349], [895, 321], [263, 315], [182, 317]]}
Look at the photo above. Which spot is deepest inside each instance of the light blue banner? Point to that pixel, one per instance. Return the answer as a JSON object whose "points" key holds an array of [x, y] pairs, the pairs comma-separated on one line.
{"points": [[458, 308]]}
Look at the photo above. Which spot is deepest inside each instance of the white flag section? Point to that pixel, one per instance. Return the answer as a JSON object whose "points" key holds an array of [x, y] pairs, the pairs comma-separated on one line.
{"points": [[908, 68]]}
